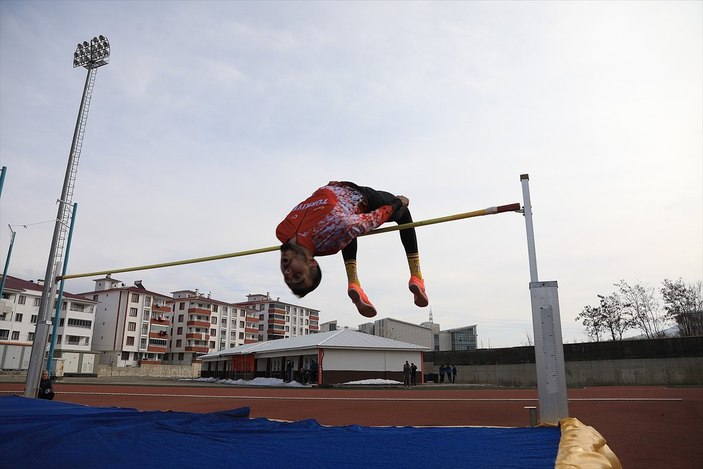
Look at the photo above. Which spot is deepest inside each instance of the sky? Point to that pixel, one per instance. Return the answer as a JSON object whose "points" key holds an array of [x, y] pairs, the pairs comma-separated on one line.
{"points": [[213, 119]]}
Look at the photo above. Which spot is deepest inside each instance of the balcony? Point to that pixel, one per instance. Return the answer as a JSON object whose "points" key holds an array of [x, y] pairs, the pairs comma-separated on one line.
{"points": [[158, 335], [251, 330], [155, 349], [202, 311], [162, 320], [198, 336], [160, 309], [194, 348], [205, 324], [250, 341]]}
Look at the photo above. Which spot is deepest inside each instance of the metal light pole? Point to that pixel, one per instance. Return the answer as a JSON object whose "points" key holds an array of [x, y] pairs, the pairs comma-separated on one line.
{"points": [[90, 55]]}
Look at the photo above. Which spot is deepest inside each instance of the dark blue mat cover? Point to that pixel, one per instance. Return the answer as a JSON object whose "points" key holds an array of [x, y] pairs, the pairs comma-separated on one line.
{"points": [[50, 434]]}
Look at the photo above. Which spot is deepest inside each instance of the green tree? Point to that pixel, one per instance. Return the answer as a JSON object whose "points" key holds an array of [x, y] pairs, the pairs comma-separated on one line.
{"points": [[684, 304]]}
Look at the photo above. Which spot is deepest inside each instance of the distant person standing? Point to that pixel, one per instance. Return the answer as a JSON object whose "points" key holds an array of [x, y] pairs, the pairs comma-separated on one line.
{"points": [[448, 370], [406, 374], [46, 388], [453, 374], [413, 374]]}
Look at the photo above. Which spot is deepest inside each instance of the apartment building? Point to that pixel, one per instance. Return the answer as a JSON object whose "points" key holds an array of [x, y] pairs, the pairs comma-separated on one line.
{"points": [[202, 324], [279, 320], [132, 324], [19, 309]]}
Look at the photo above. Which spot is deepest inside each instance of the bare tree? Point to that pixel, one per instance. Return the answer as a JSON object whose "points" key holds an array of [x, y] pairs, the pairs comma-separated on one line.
{"points": [[590, 317], [684, 304], [608, 317], [640, 304]]}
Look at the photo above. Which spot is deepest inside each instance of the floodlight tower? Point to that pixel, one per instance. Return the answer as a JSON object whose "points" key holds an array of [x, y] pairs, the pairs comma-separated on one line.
{"points": [[91, 55]]}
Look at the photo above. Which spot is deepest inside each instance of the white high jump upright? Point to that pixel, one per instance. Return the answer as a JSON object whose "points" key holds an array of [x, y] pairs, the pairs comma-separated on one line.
{"points": [[546, 324]]}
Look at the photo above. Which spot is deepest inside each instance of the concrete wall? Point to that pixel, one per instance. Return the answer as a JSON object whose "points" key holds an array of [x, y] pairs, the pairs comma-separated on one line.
{"points": [[652, 372], [652, 362]]}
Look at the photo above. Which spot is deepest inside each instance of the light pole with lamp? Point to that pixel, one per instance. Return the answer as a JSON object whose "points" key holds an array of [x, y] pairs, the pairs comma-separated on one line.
{"points": [[91, 55]]}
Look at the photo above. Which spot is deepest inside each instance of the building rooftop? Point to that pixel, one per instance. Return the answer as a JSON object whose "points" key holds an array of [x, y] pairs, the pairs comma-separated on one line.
{"points": [[339, 339]]}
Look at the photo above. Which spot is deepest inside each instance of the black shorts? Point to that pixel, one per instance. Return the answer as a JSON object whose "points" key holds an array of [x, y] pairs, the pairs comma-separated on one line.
{"points": [[375, 199]]}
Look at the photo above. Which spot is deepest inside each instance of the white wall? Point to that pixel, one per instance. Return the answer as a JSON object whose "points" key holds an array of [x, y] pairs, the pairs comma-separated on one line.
{"points": [[369, 360]]}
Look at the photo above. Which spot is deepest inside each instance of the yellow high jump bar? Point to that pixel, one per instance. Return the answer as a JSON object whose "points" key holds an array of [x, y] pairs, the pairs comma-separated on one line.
{"points": [[459, 216]]}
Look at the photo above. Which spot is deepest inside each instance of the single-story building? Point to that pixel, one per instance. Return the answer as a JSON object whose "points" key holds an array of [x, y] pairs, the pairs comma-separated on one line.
{"points": [[325, 358]]}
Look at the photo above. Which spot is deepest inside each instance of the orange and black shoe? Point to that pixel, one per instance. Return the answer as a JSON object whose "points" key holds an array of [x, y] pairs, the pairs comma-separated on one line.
{"points": [[417, 286], [361, 301]]}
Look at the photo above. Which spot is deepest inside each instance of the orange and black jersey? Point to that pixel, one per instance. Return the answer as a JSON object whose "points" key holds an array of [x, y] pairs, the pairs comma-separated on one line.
{"points": [[332, 217]]}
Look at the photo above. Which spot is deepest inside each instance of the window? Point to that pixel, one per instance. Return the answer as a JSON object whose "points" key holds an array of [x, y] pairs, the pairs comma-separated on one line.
{"points": [[179, 331], [4, 334], [241, 324], [241, 335], [135, 297], [178, 344], [241, 313], [15, 335], [213, 320], [224, 322], [125, 355], [18, 317], [30, 336], [84, 323], [130, 340], [213, 332], [34, 319], [21, 300], [181, 306], [37, 301], [180, 318], [180, 356], [212, 344], [95, 297], [132, 326], [214, 309], [133, 312]]}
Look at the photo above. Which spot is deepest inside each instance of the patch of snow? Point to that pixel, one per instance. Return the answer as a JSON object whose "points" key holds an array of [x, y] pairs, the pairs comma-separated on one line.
{"points": [[374, 382], [244, 382]]}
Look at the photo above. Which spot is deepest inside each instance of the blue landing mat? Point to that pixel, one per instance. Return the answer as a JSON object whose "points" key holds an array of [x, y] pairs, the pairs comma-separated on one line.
{"points": [[48, 434]]}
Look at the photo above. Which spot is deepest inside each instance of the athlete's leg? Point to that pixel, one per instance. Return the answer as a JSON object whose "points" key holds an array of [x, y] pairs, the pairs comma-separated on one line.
{"points": [[354, 289], [408, 237]]}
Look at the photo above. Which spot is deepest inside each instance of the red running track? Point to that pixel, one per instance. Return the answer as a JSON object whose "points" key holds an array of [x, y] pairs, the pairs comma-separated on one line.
{"points": [[646, 427]]}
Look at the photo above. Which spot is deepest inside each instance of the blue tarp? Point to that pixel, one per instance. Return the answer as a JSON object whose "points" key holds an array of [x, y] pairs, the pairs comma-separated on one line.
{"points": [[39, 433]]}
